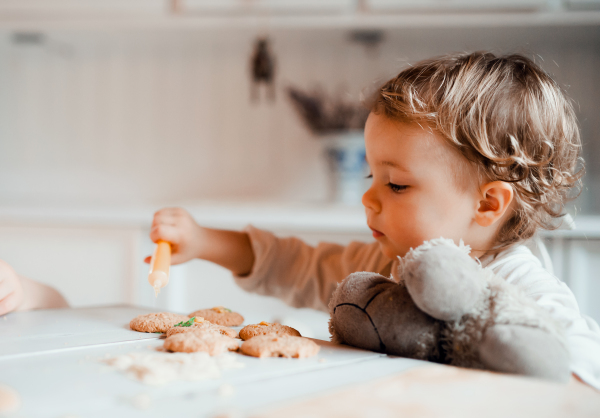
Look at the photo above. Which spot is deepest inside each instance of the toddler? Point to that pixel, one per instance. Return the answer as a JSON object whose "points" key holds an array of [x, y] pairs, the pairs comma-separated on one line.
{"points": [[473, 147]]}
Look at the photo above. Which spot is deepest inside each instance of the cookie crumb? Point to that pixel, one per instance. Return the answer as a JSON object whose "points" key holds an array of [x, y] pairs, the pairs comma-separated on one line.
{"points": [[155, 368]]}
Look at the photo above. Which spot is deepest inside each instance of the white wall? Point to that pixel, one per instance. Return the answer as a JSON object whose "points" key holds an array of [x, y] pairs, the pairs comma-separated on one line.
{"points": [[89, 266], [163, 116]]}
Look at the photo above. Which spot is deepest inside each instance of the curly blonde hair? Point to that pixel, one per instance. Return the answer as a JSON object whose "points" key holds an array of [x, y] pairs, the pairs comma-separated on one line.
{"points": [[508, 118]]}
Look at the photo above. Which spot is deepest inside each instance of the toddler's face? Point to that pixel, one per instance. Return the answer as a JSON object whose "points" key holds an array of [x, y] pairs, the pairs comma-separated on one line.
{"points": [[414, 195]]}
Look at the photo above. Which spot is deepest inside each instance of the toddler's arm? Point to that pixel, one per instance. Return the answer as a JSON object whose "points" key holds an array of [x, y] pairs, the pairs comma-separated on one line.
{"points": [[19, 293], [286, 268]]}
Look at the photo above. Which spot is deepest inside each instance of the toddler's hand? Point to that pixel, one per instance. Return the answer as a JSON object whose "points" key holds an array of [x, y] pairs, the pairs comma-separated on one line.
{"points": [[177, 226], [11, 289]]}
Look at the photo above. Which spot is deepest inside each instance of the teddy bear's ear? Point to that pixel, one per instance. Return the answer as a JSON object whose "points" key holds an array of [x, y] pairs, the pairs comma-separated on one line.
{"points": [[414, 253], [358, 288], [349, 322]]}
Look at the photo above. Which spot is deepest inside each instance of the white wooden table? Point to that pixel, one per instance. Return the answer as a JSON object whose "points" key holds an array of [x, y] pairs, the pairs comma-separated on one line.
{"points": [[52, 358]]}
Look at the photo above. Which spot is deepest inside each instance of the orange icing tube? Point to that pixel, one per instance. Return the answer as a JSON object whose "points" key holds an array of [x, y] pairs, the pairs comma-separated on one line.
{"points": [[159, 266]]}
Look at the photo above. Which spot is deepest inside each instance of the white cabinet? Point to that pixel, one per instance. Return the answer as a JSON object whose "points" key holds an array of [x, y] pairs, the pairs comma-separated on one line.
{"points": [[90, 266]]}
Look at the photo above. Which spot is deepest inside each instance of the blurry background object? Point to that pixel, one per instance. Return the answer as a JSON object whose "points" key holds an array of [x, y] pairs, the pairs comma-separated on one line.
{"points": [[348, 169], [325, 114], [94, 95], [370, 39], [339, 125], [263, 69]]}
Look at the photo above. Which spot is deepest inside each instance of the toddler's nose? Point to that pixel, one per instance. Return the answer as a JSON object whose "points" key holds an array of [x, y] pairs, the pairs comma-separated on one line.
{"points": [[370, 201]]}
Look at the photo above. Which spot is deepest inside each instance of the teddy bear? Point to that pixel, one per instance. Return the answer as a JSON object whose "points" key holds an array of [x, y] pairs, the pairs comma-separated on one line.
{"points": [[446, 308]]}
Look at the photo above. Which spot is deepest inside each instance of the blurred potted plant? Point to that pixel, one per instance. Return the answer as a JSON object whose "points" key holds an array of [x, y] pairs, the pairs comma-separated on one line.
{"points": [[339, 125]]}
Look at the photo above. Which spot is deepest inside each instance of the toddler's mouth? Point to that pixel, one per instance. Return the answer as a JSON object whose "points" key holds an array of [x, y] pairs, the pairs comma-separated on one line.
{"points": [[376, 233]]}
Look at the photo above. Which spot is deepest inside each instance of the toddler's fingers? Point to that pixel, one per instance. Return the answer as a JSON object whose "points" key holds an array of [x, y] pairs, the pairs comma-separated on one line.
{"points": [[169, 216], [8, 304], [178, 259], [163, 219], [167, 233], [174, 212]]}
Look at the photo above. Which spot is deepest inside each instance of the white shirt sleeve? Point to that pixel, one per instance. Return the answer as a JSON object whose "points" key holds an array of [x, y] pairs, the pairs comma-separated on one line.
{"points": [[519, 266], [302, 275]]}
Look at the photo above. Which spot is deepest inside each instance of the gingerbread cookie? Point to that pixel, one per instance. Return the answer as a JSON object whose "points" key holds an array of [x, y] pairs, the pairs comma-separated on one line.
{"points": [[207, 341], [200, 324], [265, 328], [156, 322], [220, 316], [279, 346]]}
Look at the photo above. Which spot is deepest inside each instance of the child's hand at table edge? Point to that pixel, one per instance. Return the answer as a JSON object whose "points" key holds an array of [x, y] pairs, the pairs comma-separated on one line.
{"points": [[11, 289], [229, 249], [19, 293]]}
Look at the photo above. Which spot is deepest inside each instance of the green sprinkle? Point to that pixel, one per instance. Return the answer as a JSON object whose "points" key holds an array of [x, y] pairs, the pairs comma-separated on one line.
{"points": [[187, 323], [228, 310], [158, 332]]}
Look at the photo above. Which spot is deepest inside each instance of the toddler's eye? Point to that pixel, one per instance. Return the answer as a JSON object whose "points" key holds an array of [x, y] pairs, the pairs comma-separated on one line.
{"points": [[370, 176], [396, 187]]}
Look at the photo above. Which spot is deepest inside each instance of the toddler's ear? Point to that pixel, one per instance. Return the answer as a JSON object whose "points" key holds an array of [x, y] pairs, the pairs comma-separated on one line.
{"points": [[495, 200]]}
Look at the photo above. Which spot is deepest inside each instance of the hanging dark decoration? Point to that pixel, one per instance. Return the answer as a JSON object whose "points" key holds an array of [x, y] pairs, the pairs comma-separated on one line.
{"points": [[263, 70]]}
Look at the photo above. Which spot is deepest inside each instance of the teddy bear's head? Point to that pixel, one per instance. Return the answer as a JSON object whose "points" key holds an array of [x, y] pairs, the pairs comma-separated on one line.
{"points": [[365, 313]]}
